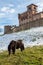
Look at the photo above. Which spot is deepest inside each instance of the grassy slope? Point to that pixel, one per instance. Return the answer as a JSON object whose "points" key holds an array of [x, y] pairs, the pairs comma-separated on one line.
{"points": [[30, 56]]}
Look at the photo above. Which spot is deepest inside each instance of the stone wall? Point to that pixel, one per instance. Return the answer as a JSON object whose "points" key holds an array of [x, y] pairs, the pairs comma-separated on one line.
{"points": [[31, 24], [7, 29], [25, 26]]}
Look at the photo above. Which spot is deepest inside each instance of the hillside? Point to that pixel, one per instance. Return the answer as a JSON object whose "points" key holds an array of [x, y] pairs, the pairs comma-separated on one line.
{"points": [[30, 56], [31, 37]]}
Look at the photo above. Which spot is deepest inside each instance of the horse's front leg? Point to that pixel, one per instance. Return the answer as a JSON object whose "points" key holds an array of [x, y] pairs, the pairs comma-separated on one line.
{"points": [[13, 50]]}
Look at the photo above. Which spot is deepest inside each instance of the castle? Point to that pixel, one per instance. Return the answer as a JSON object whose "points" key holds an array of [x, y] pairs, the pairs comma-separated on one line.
{"points": [[28, 19]]}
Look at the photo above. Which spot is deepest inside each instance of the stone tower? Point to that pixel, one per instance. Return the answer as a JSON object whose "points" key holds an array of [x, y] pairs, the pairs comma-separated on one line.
{"points": [[32, 8], [28, 15]]}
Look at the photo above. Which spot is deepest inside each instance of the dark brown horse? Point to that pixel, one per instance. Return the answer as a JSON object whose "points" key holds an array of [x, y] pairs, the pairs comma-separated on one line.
{"points": [[15, 45]]}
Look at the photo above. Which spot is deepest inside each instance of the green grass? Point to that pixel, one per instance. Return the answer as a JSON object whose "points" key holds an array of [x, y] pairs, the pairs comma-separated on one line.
{"points": [[30, 56]]}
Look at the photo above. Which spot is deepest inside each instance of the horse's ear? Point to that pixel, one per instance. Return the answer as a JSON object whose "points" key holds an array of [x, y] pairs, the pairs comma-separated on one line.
{"points": [[20, 40], [14, 41]]}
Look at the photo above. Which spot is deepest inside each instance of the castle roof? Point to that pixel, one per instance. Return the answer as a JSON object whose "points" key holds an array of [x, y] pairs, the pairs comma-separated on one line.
{"points": [[33, 5]]}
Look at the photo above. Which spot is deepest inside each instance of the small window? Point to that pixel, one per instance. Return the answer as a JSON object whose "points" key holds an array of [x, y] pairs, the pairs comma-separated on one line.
{"points": [[21, 19], [24, 18], [34, 7], [29, 12], [29, 8], [29, 16]]}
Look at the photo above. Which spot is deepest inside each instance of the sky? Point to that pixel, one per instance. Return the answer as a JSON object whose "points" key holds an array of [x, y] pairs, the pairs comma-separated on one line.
{"points": [[9, 10]]}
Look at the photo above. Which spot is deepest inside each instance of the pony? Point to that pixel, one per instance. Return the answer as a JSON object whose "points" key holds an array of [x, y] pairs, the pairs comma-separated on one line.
{"points": [[15, 45]]}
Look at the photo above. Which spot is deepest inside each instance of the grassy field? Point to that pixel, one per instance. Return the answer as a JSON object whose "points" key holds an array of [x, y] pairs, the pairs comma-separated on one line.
{"points": [[30, 56]]}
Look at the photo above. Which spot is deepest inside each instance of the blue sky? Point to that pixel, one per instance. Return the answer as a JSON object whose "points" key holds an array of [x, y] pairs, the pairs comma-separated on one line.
{"points": [[9, 10]]}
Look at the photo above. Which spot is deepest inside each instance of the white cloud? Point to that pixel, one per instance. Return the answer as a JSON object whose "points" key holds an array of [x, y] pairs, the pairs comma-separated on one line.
{"points": [[4, 9], [21, 6], [40, 6], [7, 10], [12, 10], [2, 15], [11, 5], [2, 27]]}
